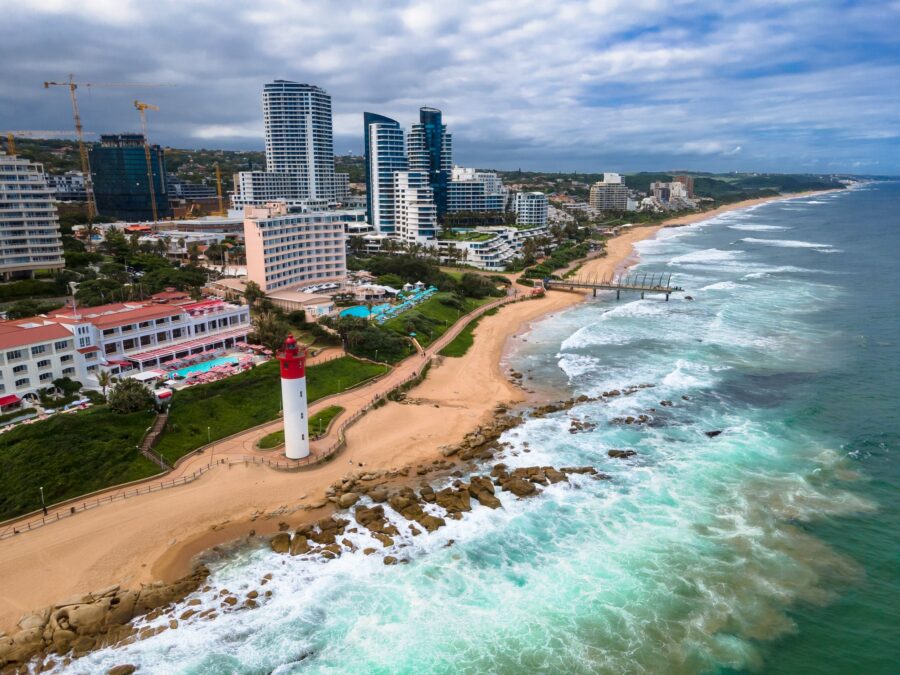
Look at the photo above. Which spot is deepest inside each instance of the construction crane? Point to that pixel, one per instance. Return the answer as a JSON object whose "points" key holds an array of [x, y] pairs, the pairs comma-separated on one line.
{"points": [[72, 85], [219, 189], [142, 108], [11, 140]]}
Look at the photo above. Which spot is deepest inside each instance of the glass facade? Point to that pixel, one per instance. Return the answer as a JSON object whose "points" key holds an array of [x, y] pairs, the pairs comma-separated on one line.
{"points": [[430, 151], [119, 173]]}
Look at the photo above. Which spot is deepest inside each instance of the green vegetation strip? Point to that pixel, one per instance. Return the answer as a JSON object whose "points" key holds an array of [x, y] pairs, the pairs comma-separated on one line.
{"points": [[223, 408], [459, 345], [318, 424], [70, 455], [433, 317]]}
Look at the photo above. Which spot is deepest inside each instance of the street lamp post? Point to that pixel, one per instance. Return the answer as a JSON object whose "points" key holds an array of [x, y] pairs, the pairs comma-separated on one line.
{"points": [[43, 505]]}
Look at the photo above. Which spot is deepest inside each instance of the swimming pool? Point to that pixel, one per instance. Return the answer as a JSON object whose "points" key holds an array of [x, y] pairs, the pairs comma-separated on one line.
{"points": [[205, 366], [361, 311]]}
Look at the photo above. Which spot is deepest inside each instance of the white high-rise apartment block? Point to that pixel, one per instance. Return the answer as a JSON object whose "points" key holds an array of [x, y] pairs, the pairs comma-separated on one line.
{"points": [[610, 194], [341, 186], [531, 208], [414, 207], [385, 154], [299, 147], [473, 190], [286, 250], [29, 225]]}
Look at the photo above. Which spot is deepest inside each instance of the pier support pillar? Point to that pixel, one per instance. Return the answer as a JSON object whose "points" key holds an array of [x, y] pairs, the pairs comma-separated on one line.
{"points": [[617, 294], [595, 292], [642, 295], [667, 297]]}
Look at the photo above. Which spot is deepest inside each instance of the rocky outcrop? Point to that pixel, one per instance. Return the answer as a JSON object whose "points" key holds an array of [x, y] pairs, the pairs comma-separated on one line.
{"points": [[90, 621], [620, 454]]}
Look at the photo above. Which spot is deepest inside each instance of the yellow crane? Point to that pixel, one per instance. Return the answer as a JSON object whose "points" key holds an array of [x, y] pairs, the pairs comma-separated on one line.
{"points": [[11, 137], [72, 86], [142, 108], [219, 189]]}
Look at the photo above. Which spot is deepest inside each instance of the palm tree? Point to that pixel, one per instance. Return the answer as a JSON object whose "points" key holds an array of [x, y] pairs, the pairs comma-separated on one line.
{"points": [[89, 231], [105, 380]]}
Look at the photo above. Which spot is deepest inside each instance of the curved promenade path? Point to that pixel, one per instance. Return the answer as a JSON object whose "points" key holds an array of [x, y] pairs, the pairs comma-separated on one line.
{"points": [[241, 446]]}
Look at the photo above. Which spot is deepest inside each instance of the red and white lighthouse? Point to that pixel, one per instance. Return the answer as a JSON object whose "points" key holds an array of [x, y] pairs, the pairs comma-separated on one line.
{"points": [[293, 399]]}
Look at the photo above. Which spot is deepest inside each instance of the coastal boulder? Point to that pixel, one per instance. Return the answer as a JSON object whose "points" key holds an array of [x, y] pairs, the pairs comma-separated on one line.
{"points": [[281, 542], [299, 545], [519, 487], [348, 499], [482, 489], [620, 454]]}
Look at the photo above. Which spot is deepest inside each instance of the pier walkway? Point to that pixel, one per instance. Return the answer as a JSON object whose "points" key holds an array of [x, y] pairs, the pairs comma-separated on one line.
{"points": [[637, 283]]}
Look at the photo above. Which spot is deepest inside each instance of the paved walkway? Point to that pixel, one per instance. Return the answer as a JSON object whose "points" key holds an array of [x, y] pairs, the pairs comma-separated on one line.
{"points": [[243, 444]]}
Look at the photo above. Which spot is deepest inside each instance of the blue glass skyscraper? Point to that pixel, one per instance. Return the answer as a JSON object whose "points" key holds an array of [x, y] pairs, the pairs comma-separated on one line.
{"points": [[431, 151]]}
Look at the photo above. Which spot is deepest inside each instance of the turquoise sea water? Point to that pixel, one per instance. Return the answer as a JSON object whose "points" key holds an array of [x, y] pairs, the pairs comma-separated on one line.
{"points": [[772, 547]]}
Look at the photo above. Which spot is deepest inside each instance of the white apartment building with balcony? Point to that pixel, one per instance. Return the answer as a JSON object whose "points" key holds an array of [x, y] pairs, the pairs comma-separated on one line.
{"points": [[610, 194], [531, 208], [29, 226], [286, 250], [414, 208], [488, 248]]}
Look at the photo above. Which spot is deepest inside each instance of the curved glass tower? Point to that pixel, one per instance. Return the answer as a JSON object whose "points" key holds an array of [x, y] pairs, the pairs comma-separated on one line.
{"points": [[385, 155]]}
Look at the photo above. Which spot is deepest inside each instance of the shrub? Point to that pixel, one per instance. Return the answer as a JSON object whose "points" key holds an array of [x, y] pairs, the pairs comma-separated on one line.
{"points": [[129, 396]]}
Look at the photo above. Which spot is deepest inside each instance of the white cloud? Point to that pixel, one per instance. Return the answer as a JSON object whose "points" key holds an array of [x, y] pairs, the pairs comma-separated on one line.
{"points": [[756, 82]]}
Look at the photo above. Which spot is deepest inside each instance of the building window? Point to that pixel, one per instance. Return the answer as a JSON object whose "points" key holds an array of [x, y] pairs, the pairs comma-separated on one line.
{"points": [[62, 344], [20, 369], [68, 371], [44, 363], [22, 383], [46, 376], [65, 359], [38, 349]]}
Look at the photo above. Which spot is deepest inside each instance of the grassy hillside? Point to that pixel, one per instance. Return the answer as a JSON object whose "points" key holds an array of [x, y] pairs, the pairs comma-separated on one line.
{"points": [[70, 455]]}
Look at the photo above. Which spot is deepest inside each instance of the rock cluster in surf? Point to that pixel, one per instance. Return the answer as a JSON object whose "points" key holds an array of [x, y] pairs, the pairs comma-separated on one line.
{"points": [[89, 621]]}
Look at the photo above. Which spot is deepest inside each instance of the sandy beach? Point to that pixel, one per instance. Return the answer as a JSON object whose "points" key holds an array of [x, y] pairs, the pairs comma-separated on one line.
{"points": [[155, 536]]}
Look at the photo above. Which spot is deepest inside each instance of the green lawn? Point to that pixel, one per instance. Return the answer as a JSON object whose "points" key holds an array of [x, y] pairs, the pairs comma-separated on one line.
{"points": [[272, 440], [70, 455], [228, 406], [459, 345], [318, 423], [433, 317]]}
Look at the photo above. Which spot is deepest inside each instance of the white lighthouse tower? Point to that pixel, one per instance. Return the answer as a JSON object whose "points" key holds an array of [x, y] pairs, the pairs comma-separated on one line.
{"points": [[293, 399]]}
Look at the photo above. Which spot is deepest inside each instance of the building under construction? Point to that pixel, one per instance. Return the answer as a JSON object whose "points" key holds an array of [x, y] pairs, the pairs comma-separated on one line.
{"points": [[120, 178]]}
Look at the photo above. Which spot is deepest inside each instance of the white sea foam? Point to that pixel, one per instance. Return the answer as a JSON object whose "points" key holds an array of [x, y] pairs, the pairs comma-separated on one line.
{"points": [[792, 243], [721, 286], [706, 256], [757, 227]]}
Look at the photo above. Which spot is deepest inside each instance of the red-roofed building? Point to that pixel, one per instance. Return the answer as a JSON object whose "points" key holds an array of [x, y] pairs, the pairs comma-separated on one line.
{"points": [[117, 337]]}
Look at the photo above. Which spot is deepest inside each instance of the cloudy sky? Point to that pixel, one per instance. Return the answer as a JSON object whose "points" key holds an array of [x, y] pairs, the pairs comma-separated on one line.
{"points": [[791, 85]]}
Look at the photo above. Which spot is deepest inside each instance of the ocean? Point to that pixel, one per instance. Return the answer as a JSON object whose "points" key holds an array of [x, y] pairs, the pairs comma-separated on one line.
{"points": [[772, 547]]}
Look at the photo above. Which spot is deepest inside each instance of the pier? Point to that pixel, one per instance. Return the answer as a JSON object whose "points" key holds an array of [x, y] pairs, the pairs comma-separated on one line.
{"points": [[637, 283]]}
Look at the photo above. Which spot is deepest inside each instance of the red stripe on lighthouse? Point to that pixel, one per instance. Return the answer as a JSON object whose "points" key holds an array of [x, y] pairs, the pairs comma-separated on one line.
{"points": [[293, 361]]}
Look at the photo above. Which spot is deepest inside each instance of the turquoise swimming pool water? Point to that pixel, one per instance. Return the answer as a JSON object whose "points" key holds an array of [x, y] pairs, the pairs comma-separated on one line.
{"points": [[205, 366], [362, 311]]}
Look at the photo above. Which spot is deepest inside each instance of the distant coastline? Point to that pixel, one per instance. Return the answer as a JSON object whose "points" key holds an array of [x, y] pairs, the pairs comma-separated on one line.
{"points": [[158, 536]]}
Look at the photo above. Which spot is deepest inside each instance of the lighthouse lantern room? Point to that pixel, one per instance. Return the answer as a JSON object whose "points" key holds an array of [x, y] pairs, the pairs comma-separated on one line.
{"points": [[293, 399]]}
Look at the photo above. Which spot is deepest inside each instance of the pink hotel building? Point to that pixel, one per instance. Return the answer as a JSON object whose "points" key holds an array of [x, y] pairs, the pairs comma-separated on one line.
{"points": [[287, 250]]}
